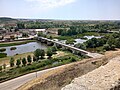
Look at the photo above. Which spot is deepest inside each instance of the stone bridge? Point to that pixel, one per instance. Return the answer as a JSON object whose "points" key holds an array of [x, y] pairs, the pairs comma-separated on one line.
{"points": [[65, 46]]}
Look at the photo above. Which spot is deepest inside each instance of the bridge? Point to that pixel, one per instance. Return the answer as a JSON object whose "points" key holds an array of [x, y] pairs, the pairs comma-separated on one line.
{"points": [[74, 49]]}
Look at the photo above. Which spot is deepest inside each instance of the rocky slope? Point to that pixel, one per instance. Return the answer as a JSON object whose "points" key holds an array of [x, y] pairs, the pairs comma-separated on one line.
{"points": [[104, 78]]}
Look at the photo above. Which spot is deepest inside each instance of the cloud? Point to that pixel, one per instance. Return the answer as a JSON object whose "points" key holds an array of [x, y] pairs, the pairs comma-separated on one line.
{"points": [[47, 4]]}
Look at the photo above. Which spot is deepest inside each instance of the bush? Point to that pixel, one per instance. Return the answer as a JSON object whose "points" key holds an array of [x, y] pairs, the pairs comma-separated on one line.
{"points": [[73, 59], [81, 46], [0, 68], [13, 48], [2, 55], [2, 49]]}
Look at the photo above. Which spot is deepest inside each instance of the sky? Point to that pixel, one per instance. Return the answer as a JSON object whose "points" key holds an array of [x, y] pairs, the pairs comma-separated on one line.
{"points": [[61, 9]]}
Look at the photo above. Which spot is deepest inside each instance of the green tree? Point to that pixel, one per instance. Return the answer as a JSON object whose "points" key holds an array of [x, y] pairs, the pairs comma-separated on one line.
{"points": [[34, 58], [54, 49], [49, 53], [111, 41], [117, 42], [81, 46], [4, 66], [106, 47], [18, 63], [73, 59], [37, 53], [24, 62], [12, 62], [0, 68], [40, 34], [60, 31], [29, 59], [20, 25], [42, 53]]}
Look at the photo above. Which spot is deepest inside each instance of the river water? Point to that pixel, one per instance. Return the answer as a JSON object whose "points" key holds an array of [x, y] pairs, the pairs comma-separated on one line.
{"points": [[20, 49]]}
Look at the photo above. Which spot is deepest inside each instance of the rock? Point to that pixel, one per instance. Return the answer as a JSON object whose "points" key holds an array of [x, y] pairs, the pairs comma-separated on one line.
{"points": [[103, 78]]}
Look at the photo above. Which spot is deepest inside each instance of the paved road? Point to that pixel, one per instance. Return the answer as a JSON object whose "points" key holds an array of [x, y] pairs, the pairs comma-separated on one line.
{"points": [[17, 82]]}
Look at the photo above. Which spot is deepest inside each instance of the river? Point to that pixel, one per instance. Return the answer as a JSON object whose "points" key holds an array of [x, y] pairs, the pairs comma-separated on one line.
{"points": [[20, 49]]}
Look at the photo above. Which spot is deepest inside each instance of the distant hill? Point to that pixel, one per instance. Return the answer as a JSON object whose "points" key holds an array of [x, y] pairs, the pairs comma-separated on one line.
{"points": [[6, 19]]}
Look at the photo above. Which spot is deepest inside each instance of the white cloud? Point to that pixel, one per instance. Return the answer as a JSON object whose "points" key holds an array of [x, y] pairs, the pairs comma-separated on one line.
{"points": [[45, 4]]}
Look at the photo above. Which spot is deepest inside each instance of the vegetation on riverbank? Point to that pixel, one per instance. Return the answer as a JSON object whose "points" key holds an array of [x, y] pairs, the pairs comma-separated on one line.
{"points": [[5, 44], [36, 65], [2, 49], [13, 48], [2, 55]]}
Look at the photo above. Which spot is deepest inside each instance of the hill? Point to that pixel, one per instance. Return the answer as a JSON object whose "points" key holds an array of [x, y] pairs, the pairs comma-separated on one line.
{"points": [[59, 78]]}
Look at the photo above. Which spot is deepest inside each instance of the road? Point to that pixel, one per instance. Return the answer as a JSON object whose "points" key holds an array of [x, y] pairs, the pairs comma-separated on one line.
{"points": [[17, 82]]}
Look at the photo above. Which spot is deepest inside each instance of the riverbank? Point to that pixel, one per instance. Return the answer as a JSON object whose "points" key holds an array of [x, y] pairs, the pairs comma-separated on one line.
{"points": [[14, 43], [37, 66]]}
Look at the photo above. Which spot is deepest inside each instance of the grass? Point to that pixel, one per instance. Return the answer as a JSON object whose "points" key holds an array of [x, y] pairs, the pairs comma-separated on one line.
{"points": [[5, 44]]}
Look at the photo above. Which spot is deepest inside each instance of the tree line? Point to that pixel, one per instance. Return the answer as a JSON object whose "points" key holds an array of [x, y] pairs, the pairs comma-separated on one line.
{"points": [[38, 54]]}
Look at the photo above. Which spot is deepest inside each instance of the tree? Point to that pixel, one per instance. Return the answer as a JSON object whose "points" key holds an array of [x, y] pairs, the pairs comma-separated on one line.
{"points": [[117, 42], [12, 62], [24, 34], [29, 59], [18, 62], [40, 34], [4, 66], [60, 31], [0, 68], [49, 53], [54, 49], [20, 25], [37, 53], [111, 41], [42, 53], [81, 46], [34, 58], [24, 62], [73, 59], [106, 47]]}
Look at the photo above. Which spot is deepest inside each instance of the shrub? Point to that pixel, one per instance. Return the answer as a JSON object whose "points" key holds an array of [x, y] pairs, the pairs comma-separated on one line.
{"points": [[2, 49], [2, 55], [73, 59], [13, 48], [12, 62], [0, 68]]}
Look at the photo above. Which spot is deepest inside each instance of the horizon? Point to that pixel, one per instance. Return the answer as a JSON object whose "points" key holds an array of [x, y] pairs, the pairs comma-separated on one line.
{"points": [[60, 19], [61, 9]]}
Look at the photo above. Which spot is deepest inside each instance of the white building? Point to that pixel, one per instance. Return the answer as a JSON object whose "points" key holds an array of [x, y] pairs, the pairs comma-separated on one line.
{"points": [[40, 30]]}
